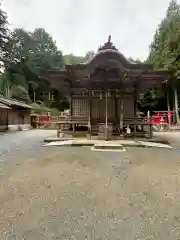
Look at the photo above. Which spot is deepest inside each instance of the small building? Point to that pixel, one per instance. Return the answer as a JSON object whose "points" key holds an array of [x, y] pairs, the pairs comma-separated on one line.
{"points": [[14, 114], [103, 92], [4, 109]]}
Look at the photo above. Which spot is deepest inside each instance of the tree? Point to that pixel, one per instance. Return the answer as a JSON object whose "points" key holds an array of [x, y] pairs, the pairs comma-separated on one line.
{"points": [[4, 36], [165, 48], [135, 61], [72, 59], [89, 55], [21, 45], [173, 8], [46, 54], [29, 54]]}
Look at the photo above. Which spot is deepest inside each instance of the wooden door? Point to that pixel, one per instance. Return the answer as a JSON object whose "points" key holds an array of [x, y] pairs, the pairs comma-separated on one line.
{"points": [[80, 107]]}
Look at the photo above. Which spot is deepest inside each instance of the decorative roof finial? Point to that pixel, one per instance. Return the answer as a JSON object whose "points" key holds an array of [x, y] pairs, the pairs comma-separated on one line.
{"points": [[107, 45]]}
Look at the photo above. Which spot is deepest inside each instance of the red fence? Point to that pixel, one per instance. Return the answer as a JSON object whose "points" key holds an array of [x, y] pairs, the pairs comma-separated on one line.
{"points": [[43, 119]]}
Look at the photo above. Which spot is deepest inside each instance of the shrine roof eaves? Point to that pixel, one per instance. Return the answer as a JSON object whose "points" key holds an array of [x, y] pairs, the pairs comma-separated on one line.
{"points": [[117, 55], [10, 102], [55, 71]]}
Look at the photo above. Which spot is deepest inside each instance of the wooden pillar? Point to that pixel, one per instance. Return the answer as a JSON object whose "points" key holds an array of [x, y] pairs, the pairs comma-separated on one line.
{"points": [[106, 109], [70, 105], [49, 96], [116, 113], [135, 99], [134, 129], [135, 106], [90, 113], [122, 115], [74, 127], [151, 130]]}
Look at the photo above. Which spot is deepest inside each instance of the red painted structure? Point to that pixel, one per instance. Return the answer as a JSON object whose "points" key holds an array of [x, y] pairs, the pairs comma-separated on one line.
{"points": [[43, 119], [159, 118]]}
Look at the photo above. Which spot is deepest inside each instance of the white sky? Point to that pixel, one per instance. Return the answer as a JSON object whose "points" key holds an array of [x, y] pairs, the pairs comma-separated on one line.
{"points": [[82, 25]]}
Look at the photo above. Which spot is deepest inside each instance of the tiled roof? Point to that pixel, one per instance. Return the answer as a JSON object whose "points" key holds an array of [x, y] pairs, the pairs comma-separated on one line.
{"points": [[14, 102], [3, 106]]}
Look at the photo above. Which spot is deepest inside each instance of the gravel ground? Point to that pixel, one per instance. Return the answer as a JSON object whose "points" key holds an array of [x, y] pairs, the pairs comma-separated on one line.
{"points": [[74, 193], [172, 137]]}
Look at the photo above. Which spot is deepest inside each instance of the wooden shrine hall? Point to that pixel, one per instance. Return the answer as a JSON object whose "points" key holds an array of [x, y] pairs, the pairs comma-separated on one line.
{"points": [[103, 92]]}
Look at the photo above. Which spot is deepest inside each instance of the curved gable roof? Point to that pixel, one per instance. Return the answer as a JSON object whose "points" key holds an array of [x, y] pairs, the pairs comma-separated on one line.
{"points": [[108, 52]]}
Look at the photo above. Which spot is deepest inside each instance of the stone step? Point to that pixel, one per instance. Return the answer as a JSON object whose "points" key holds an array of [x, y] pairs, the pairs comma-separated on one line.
{"points": [[108, 147]]}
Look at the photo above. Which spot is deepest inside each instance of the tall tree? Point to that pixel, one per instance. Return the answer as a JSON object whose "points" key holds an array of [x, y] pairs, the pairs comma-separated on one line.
{"points": [[173, 8], [4, 35], [30, 53], [21, 45], [46, 54], [165, 49]]}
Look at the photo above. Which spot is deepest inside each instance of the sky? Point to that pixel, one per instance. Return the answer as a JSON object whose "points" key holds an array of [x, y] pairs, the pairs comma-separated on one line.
{"points": [[78, 26]]}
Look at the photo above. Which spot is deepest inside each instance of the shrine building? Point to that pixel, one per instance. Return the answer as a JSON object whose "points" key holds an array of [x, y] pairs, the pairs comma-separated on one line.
{"points": [[103, 92]]}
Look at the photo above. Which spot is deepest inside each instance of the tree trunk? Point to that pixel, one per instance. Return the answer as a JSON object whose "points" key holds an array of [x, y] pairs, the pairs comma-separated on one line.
{"points": [[176, 104], [8, 91], [169, 109], [34, 96]]}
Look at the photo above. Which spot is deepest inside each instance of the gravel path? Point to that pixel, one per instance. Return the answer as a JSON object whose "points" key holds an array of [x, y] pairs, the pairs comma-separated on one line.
{"points": [[74, 193], [172, 137], [22, 142]]}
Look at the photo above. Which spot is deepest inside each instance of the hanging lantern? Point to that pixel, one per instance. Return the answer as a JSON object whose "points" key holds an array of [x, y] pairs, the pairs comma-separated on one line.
{"points": [[93, 93], [109, 94], [117, 94], [101, 96], [125, 76]]}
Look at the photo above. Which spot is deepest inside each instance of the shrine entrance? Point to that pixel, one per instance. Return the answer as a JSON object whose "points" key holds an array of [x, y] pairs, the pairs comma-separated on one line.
{"points": [[106, 110]]}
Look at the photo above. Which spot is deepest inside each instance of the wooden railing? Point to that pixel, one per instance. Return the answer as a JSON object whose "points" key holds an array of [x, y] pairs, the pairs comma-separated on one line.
{"points": [[135, 123], [70, 119], [84, 119]]}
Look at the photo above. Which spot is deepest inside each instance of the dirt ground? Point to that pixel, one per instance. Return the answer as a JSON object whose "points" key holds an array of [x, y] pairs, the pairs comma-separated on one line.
{"points": [[74, 193]]}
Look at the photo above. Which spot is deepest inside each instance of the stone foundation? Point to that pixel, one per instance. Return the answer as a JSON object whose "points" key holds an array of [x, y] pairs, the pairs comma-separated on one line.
{"points": [[21, 127]]}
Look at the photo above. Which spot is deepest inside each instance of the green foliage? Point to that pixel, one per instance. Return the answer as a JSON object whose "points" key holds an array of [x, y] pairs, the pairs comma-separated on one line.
{"points": [[134, 61], [40, 108], [153, 100], [89, 55], [4, 36], [173, 8], [29, 54], [165, 51], [19, 92], [26, 55], [72, 59]]}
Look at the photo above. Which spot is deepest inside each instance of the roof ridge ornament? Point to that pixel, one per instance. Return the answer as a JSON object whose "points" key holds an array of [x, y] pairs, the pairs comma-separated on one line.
{"points": [[108, 45]]}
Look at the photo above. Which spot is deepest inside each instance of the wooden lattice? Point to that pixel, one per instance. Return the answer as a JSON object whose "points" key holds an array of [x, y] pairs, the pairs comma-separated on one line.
{"points": [[80, 107]]}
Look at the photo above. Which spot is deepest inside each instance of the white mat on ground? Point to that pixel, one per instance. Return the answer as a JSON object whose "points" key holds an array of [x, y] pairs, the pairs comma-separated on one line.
{"points": [[152, 144], [59, 143], [120, 142]]}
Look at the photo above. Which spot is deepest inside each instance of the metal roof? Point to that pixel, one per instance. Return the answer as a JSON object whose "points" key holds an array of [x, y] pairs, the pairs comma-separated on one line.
{"points": [[14, 102]]}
